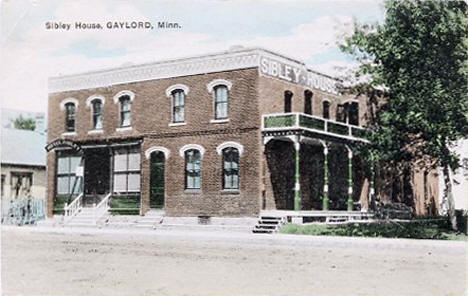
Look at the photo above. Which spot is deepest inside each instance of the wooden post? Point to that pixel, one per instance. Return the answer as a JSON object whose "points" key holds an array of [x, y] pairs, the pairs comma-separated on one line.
{"points": [[297, 176], [326, 200], [350, 179]]}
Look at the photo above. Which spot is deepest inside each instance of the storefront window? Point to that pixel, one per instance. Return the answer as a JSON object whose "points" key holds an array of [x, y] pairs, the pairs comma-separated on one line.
{"points": [[126, 175], [66, 173]]}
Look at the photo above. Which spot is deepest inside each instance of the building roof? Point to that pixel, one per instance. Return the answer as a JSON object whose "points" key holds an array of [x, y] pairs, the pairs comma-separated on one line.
{"points": [[234, 59], [23, 147]]}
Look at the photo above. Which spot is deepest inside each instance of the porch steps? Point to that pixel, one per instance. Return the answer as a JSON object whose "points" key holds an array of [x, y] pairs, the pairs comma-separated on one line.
{"points": [[149, 221], [85, 218], [268, 224]]}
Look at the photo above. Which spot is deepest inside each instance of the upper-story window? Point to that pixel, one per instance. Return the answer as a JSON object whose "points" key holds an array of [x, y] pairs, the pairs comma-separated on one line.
{"points": [[97, 114], [308, 102], [125, 99], [220, 89], [353, 113], [178, 106], [348, 113], [326, 109], [125, 111], [177, 93], [287, 101], [221, 102], [70, 113]]}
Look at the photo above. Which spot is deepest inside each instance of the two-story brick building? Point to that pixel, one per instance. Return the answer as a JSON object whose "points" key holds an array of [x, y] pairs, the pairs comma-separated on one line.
{"points": [[225, 134]]}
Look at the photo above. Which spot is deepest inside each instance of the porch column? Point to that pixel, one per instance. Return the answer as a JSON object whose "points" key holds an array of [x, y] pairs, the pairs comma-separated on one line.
{"points": [[350, 179], [325, 200], [297, 176]]}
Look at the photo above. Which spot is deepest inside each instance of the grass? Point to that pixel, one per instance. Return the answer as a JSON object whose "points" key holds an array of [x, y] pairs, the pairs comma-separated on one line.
{"points": [[125, 205], [416, 229]]}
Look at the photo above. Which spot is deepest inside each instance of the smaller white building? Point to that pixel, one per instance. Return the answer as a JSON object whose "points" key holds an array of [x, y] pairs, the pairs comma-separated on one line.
{"points": [[23, 159], [459, 179]]}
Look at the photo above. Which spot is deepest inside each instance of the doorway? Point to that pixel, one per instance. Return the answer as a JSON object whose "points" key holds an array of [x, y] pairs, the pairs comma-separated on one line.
{"points": [[157, 161], [97, 175]]}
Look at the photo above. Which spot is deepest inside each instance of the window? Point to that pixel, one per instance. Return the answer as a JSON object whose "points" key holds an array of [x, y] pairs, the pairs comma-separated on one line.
{"points": [[342, 113], [308, 102], [221, 102], [230, 168], [125, 115], [126, 170], [192, 169], [287, 101], [97, 114], [66, 169], [178, 106], [70, 117], [21, 183], [3, 185], [353, 113], [326, 109]]}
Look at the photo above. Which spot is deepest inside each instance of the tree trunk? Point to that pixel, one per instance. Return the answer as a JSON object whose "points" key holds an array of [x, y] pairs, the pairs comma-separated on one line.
{"points": [[448, 195]]}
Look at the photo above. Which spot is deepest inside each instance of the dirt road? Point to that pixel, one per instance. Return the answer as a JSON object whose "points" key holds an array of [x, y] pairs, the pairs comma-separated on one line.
{"points": [[47, 261]]}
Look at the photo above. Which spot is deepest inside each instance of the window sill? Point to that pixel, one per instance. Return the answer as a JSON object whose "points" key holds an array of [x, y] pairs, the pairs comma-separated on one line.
{"points": [[177, 123], [226, 120], [66, 134], [123, 129], [95, 131], [230, 191], [193, 191]]}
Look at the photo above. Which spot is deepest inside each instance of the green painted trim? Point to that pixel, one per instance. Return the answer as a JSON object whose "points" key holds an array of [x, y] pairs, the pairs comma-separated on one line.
{"points": [[350, 184], [297, 180]]}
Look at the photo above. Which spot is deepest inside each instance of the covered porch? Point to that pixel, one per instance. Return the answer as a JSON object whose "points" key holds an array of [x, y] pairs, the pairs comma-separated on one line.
{"points": [[311, 168]]}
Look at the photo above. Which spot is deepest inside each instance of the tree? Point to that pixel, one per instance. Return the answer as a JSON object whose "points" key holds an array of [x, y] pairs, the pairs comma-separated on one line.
{"points": [[419, 54], [24, 123]]}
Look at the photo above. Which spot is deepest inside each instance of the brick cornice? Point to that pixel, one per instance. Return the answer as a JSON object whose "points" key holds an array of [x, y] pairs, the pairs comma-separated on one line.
{"points": [[210, 63]]}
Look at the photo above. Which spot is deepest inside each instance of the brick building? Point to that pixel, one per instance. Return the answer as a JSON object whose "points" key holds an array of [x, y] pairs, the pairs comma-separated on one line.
{"points": [[225, 134]]}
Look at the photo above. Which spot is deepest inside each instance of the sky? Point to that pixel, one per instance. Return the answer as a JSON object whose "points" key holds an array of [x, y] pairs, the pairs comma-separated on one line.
{"points": [[306, 30]]}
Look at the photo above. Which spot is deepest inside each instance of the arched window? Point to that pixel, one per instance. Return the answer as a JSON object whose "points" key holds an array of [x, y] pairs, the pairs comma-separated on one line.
{"points": [[192, 169], [221, 101], [230, 168], [178, 106], [125, 111], [326, 109], [70, 114], [287, 101], [353, 113], [97, 114], [308, 102]]}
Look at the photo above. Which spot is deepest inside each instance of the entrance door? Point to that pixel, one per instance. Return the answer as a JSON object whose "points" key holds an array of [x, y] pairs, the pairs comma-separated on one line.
{"points": [[157, 180], [97, 175]]}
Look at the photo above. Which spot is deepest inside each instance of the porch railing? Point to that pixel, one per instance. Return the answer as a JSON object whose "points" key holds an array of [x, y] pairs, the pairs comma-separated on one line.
{"points": [[101, 208], [286, 121], [70, 210]]}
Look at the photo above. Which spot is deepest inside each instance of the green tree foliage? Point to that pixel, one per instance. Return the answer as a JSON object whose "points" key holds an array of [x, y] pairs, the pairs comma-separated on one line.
{"points": [[24, 123], [419, 55]]}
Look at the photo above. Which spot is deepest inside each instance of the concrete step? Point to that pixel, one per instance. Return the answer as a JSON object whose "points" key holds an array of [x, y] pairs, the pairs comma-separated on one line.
{"points": [[262, 231], [271, 218], [265, 226], [269, 222]]}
